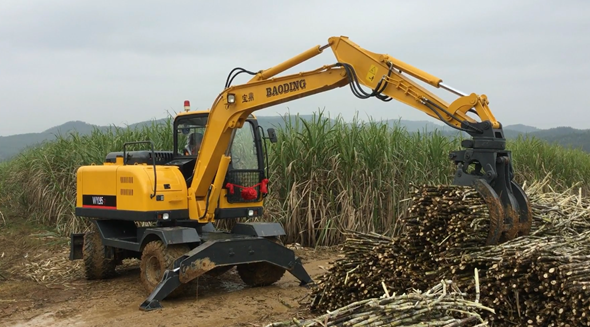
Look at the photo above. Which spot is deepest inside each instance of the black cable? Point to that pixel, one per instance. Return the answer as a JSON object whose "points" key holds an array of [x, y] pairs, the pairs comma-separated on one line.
{"points": [[473, 128], [240, 70], [227, 81], [357, 89]]}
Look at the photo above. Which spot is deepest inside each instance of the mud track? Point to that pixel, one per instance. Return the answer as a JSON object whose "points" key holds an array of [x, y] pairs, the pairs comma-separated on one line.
{"points": [[39, 286]]}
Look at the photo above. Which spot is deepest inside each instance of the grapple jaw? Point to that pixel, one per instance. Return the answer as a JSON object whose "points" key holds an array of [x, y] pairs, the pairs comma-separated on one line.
{"points": [[510, 216], [487, 166]]}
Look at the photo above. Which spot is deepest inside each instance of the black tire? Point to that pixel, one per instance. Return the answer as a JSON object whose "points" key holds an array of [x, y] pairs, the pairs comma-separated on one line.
{"points": [[261, 273], [155, 259], [96, 265]]}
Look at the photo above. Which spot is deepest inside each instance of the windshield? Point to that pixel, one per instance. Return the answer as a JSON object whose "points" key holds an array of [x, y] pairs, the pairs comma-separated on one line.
{"points": [[243, 149], [191, 129], [189, 133]]}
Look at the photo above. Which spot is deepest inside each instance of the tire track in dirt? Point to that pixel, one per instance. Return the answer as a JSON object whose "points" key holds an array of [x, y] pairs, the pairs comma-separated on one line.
{"points": [[217, 301]]}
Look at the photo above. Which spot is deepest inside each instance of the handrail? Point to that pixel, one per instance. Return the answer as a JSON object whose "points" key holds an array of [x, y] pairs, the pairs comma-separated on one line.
{"points": [[153, 161]]}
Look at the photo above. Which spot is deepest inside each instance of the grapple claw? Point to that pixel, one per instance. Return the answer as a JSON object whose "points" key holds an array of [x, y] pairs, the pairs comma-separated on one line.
{"points": [[495, 208], [507, 220], [525, 214], [487, 167]]}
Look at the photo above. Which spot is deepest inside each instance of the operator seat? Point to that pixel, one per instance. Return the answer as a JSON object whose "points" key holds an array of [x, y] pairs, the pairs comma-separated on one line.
{"points": [[193, 143]]}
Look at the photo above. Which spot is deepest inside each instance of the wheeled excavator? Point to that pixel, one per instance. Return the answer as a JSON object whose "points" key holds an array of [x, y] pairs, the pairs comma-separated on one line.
{"points": [[160, 206]]}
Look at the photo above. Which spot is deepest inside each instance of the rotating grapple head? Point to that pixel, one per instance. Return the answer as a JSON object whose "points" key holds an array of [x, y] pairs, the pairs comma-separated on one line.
{"points": [[487, 166]]}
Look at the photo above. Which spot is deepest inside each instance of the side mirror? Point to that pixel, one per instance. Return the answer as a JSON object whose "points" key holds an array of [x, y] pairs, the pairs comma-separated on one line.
{"points": [[272, 135]]}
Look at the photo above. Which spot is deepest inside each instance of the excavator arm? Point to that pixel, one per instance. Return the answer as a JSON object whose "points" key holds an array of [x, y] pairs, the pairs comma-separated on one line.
{"points": [[484, 164], [383, 74]]}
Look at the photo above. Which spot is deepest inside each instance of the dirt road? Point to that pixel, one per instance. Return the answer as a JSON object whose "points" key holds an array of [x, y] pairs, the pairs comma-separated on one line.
{"points": [[62, 297]]}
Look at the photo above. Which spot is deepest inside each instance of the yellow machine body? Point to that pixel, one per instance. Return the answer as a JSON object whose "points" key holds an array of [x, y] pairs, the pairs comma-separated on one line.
{"points": [[130, 188]]}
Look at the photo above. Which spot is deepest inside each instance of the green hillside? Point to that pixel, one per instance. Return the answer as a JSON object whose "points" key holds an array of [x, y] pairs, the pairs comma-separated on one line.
{"points": [[13, 144], [565, 136]]}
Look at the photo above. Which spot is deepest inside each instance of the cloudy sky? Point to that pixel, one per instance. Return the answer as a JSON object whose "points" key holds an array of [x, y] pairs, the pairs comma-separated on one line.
{"points": [[118, 62]]}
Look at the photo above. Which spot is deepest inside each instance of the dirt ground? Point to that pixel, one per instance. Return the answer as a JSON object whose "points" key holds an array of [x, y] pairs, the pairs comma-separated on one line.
{"points": [[39, 286]]}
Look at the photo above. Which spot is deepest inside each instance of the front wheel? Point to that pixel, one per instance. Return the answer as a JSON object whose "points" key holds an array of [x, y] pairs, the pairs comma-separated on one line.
{"points": [[261, 273], [156, 258]]}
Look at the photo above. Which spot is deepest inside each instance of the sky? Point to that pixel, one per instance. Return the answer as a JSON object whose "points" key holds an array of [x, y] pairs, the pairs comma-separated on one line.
{"points": [[122, 62]]}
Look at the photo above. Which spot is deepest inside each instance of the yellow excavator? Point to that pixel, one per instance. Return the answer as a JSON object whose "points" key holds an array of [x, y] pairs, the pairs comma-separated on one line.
{"points": [[159, 206]]}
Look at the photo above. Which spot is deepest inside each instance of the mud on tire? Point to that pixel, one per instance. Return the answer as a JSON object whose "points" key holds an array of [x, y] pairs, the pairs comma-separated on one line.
{"points": [[155, 259], [261, 273], [96, 264]]}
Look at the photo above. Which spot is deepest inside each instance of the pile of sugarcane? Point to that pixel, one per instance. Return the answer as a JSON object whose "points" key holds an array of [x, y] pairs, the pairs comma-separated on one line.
{"points": [[369, 260], [442, 219], [540, 279], [443, 224], [442, 305], [558, 213]]}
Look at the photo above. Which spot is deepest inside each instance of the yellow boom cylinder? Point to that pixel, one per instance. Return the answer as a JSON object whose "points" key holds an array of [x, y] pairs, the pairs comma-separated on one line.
{"points": [[413, 71], [306, 55]]}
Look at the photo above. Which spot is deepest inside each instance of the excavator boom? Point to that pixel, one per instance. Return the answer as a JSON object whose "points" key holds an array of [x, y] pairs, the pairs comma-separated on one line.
{"points": [[485, 164]]}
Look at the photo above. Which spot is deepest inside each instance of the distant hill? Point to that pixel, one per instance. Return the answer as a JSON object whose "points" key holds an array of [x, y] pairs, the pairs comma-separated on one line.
{"points": [[80, 126], [520, 128], [13, 144], [566, 136]]}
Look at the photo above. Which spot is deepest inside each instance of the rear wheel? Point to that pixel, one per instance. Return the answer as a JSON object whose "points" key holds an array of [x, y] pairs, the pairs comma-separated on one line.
{"points": [[156, 258], [96, 264], [261, 273]]}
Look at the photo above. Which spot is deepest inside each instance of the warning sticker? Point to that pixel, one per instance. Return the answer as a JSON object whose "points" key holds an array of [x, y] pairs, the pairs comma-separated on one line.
{"points": [[371, 74]]}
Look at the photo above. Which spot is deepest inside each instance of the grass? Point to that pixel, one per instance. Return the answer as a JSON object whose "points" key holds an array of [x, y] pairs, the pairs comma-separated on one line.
{"points": [[21, 238], [325, 174], [337, 175]]}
